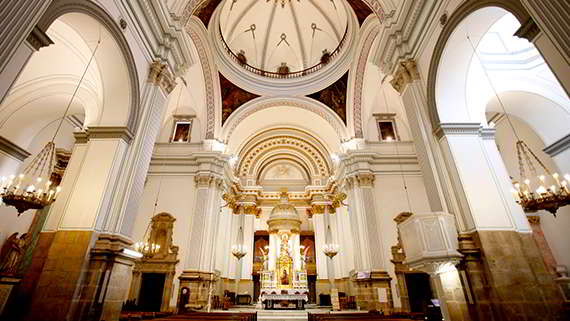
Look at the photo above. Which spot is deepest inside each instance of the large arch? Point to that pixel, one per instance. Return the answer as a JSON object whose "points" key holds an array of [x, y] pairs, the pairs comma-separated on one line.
{"points": [[62, 7], [304, 103], [450, 27]]}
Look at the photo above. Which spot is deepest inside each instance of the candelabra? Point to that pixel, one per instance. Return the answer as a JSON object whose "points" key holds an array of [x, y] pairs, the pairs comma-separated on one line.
{"points": [[543, 197]]}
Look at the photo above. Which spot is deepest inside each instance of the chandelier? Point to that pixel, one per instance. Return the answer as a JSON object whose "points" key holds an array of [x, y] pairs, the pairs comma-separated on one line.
{"points": [[551, 190], [331, 250], [283, 2], [147, 248], [239, 251], [33, 188]]}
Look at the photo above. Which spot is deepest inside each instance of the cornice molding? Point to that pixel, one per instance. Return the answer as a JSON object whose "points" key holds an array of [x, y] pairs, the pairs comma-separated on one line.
{"points": [[456, 129], [558, 146], [123, 133], [401, 39], [13, 150], [164, 34], [38, 39]]}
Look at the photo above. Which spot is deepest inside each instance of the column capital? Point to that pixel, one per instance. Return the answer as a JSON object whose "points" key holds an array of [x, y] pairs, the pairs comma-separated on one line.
{"points": [[38, 39], [206, 180], [406, 73], [160, 75], [365, 179], [529, 30]]}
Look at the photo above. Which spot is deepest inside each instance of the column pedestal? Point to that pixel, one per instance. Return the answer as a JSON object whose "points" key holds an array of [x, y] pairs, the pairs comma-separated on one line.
{"points": [[7, 283], [198, 284], [510, 280], [373, 290]]}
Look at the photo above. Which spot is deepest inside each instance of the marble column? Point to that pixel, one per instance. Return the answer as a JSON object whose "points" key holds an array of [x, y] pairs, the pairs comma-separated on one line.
{"points": [[370, 276], [199, 273]]}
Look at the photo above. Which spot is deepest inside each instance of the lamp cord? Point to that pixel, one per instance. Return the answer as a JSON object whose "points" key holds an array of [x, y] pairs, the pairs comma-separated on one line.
{"points": [[76, 89], [398, 157], [493, 87]]}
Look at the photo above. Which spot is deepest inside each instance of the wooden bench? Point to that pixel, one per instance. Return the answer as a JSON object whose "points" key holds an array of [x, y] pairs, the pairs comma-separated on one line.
{"points": [[214, 316], [353, 316]]}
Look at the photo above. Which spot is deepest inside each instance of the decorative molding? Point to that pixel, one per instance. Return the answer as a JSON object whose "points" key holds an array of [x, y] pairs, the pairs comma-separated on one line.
{"points": [[402, 217], [305, 103], [81, 137], [528, 30], [558, 146], [159, 75], [487, 133], [38, 39], [405, 74], [207, 72], [13, 150], [110, 132], [366, 46], [457, 129]]}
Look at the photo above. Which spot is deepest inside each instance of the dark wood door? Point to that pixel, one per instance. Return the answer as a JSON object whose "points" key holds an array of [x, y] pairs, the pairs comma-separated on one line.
{"points": [[419, 291], [152, 287], [256, 287], [312, 280]]}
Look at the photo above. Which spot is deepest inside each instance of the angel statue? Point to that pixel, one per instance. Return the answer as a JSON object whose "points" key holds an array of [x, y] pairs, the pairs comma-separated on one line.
{"points": [[12, 251], [265, 258], [304, 256]]}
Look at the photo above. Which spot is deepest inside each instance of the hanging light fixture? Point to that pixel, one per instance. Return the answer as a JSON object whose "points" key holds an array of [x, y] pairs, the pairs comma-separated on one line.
{"points": [[551, 191], [239, 251], [33, 187], [147, 247], [331, 250], [283, 2]]}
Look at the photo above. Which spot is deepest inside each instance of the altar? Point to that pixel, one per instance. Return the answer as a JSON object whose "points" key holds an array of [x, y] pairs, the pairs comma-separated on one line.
{"points": [[284, 276]]}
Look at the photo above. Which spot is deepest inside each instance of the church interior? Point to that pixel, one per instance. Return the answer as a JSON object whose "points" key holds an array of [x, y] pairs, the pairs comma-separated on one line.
{"points": [[284, 160]]}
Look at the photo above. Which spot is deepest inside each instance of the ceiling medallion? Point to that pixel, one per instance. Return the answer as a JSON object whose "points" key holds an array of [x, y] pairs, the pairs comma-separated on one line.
{"points": [[283, 2]]}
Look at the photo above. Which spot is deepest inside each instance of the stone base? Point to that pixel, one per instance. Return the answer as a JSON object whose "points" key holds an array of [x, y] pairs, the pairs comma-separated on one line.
{"points": [[373, 290], [85, 277], [198, 285], [7, 283], [509, 280]]}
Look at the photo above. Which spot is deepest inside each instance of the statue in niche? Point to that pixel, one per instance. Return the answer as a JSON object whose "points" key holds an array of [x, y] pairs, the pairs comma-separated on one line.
{"points": [[12, 252], [265, 258], [284, 278]]}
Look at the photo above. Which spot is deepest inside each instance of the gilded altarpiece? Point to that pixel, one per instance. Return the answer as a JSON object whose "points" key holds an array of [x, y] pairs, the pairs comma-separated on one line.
{"points": [[164, 261]]}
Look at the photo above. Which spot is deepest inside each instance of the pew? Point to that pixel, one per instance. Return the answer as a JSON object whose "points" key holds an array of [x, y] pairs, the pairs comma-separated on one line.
{"points": [[213, 316], [354, 316]]}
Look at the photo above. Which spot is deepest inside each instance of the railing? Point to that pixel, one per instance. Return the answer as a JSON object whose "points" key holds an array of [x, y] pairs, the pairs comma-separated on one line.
{"points": [[272, 74]]}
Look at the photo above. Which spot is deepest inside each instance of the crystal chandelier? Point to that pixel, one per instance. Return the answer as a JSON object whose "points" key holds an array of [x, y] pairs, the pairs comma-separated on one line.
{"points": [[331, 250], [239, 251], [33, 188], [551, 190]]}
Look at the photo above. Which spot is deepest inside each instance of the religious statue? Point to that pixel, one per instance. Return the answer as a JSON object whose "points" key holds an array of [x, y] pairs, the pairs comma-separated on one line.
{"points": [[12, 251], [304, 257], [284, 278], [265, 259]]}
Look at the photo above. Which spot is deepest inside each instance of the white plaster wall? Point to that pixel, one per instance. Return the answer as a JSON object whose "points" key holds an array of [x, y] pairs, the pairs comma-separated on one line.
{"points": [[177, 193], [391, 200]]}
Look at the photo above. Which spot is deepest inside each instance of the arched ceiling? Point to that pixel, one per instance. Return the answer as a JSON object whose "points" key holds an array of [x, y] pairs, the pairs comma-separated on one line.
{"points": [[273, 32]]}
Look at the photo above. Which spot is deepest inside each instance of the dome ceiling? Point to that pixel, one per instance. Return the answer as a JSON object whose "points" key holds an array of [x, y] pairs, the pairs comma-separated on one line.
{"points": [[272, 32]]}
